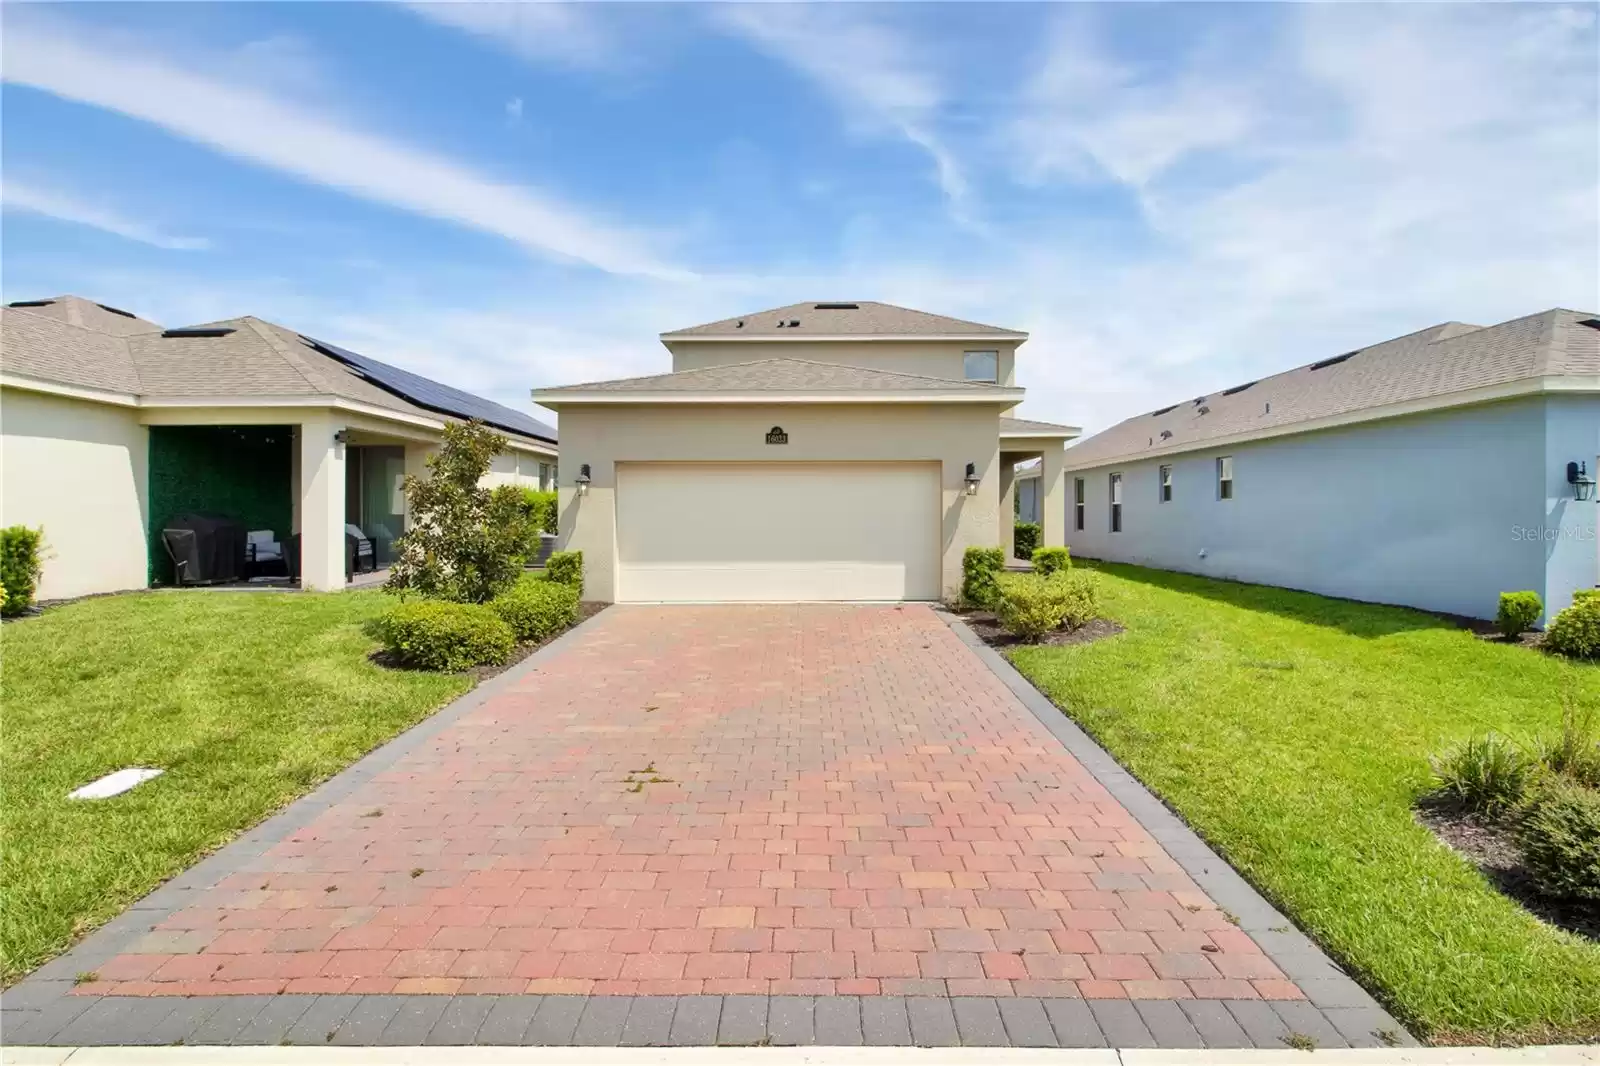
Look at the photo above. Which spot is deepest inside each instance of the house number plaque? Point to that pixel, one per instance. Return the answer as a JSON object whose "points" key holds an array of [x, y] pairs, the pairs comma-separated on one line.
{"points": [[776, 435]]}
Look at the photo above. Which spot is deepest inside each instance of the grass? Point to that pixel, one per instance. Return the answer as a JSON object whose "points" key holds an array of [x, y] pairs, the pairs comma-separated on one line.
{"points": [[246, 699], [1293, 731]]}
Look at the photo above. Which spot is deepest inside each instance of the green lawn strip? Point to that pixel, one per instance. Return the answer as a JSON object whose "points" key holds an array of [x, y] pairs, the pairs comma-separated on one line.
{"points": [[246, 699], [1293, 731]]}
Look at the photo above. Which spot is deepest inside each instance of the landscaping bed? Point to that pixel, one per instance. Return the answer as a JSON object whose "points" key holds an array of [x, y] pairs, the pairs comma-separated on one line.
{"points": [[1294, 733], [992, 633]]}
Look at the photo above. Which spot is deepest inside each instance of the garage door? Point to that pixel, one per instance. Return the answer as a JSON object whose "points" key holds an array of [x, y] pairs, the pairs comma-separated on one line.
{"points": [[754, 532]]}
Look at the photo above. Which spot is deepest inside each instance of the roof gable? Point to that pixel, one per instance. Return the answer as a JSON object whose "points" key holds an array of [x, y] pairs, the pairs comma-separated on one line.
{"points": [[845, 318], [86, 314]]}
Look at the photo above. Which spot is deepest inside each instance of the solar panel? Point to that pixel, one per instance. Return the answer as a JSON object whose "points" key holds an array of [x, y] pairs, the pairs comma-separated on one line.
{"points": [[433, 396], [198, 331]]}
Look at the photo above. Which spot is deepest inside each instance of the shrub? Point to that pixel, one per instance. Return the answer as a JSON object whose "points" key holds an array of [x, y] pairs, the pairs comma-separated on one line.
{"points": [[542, 510], [1576, 751], [1518, 612], [566, 568], [1049, 560], [1585, 594], [1575, 632], [466, 542], [537, 609], [439, 635], [20, 563], [979, 567], [1031, 605], [1487, 774], [1560, 839], [1024, 538]]}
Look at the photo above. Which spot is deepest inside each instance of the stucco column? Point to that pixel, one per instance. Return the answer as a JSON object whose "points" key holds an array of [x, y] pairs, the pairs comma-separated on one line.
{"points": [[322, 474], [1008, 500], [1053, 498]]}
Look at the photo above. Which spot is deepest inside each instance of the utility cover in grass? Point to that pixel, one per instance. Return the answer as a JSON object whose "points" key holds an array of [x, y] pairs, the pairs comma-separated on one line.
{"points": [[114, 784]]}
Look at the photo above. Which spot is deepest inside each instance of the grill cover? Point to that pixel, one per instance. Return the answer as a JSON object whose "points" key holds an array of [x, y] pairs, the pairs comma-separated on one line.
{"points": [[205, 548]]}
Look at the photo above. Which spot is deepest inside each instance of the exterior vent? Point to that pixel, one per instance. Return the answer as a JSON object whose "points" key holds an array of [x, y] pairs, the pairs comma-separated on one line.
{"points": [[794, 322], [198, 331], [1237, 389], [837, 307], [1204, 409], [117, 311], [1166, 434], [739, 324], [1164, 410], [1198, 400], [1335, 360], [30, 303]]}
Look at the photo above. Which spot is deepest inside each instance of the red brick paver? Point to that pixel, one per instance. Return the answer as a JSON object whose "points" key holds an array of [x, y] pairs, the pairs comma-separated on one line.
{"points": [[782, 799]]}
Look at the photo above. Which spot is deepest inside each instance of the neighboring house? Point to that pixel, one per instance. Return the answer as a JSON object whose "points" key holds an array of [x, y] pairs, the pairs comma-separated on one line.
{"points": [[112, 425], [1430, 470], [820, 451], [1027, 493]]}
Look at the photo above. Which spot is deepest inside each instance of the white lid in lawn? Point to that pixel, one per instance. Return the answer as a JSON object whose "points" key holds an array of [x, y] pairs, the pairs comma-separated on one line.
{"points": [[114, 784]]}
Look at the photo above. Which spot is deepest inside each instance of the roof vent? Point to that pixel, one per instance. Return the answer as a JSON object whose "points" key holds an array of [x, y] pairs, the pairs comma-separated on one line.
{"points": [[1198, 400], [781, 323], [117, 311], [1164, 410], [836, 307], [1166, 434], [1335, 360], [198, 331], [1237, 389], [30, 303], [794, 322], [1204, 409], [739, 324]]}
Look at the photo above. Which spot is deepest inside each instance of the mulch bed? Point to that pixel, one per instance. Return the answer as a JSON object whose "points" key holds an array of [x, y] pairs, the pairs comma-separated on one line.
{"points": [[480, 674], [1491, 848], [993, 634], [1484, 629]]}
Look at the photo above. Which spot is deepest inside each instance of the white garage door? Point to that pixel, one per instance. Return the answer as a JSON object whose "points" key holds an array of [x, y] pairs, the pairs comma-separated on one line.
{"points": [[755, 532]]}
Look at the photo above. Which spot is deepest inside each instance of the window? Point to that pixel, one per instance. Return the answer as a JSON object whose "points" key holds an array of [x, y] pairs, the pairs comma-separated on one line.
{"points": [[546, 480], [1116, 503], [1225, 477], [981, 366], [1077, 503], [1166, 484]]}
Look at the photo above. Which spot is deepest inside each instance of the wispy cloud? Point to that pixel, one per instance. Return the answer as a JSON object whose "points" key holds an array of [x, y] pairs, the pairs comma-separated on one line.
{"points": [[873, 73], [66, 207], [293, 138], [562, 33]]}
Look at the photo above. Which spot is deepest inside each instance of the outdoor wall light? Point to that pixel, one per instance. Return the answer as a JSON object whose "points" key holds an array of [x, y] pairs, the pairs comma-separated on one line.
{"points": [[341, 436], [1578, 477], [582, 480], [972, 479]]}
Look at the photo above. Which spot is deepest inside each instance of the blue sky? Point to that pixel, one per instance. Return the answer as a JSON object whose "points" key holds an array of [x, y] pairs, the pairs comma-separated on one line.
{"points": [[1170, 198]]}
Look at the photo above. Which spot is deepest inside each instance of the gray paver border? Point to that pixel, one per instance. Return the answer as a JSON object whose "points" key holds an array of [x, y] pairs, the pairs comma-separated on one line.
{"points": [[1327, 987], [40, 1011]]}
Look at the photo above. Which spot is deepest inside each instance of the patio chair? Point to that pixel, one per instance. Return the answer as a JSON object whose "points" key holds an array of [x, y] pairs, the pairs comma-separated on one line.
{"points": [[359, 555], [263, 552]]}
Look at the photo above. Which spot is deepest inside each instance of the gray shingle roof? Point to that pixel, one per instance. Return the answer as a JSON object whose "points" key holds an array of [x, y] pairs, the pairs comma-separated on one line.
{"points": [[76, 311], [1022, 426], [866, 318], [258, 359], [778, 375], [1432, 363]]}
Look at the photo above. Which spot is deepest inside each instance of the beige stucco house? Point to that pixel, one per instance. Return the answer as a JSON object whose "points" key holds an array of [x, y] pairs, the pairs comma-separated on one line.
{"points": [[820, 451], [110, 425]]}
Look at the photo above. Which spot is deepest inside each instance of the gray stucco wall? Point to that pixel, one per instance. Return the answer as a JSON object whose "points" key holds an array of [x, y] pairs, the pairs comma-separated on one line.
{"points": [[1428, 511]]}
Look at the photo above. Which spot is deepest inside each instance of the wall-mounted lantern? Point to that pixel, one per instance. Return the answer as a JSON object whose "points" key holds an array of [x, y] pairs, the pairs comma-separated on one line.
{"points": [[1578, 477], [341, 436], [972, 479], [582, 480]]}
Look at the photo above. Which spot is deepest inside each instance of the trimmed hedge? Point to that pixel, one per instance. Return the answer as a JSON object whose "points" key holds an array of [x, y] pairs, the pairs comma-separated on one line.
{"points": [[566, 568], [979, 568], [441, 635], [537, 609], [1518, 611], [1048, 561], [1031, 605], [541, 508], [1575, 632], [1024, 539], [1560, 838], [20, 549]]}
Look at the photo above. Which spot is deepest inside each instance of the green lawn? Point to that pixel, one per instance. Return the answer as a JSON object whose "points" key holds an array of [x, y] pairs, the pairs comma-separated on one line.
{"points": [[246, 699], [1292, 731]]}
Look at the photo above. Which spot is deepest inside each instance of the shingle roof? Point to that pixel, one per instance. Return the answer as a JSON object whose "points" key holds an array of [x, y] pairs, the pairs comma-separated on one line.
{"points": [[1432, 363], [779, 375], [76, 311], [256, 359], [856, 318], [1025, 426]]}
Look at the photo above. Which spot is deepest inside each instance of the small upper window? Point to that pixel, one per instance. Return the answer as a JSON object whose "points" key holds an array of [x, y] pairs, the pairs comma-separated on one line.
{"points": [[1116, 503], [981, 366], [1225, 477], [1166, 484]]}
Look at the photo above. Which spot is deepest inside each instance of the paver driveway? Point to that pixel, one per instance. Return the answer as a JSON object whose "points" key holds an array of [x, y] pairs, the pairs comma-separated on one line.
{"points": [[785, 800]]}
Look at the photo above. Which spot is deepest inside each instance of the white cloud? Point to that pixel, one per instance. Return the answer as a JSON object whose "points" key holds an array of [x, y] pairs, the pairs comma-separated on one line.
{"points": [[562, 33], [514, 110], [64, 206], [875, 75], [306, 143]]}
